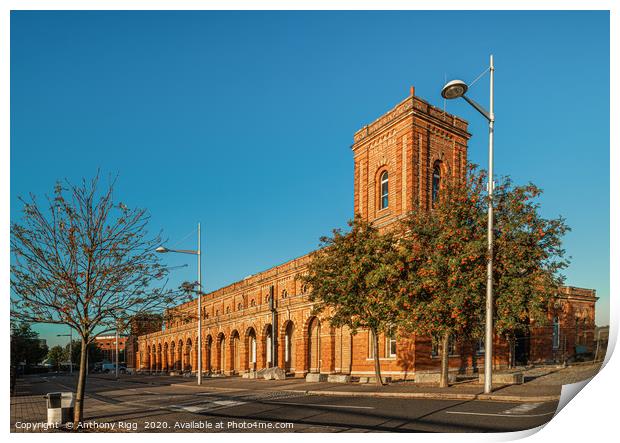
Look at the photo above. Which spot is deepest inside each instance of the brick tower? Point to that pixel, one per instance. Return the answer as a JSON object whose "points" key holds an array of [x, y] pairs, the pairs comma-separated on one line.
{"points": [[402, 157]]}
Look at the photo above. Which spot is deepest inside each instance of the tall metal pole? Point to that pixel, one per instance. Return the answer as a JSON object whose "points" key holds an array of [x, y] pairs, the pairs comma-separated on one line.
{"points": [[116, 351], [70, 351], [488, 343], [199, 377]]}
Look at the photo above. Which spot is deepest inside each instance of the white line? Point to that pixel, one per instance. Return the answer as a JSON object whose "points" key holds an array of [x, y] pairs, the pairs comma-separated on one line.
{"points": [[323, 406], [500, 415], [522, 408]]}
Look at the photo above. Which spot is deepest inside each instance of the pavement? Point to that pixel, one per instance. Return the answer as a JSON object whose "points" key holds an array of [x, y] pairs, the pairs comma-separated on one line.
{"points": [[154, 403]]}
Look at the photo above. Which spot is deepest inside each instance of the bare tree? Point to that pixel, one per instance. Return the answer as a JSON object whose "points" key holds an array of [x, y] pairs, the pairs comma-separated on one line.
{"points": [[84, 261]]}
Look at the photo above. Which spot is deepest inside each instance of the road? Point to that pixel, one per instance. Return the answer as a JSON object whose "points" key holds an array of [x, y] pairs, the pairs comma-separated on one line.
{"points": [[162, 406]]}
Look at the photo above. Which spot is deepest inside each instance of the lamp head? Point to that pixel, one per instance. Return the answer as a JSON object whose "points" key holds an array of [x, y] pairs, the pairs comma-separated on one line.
{"points": [[454, 89], [161, 249]]}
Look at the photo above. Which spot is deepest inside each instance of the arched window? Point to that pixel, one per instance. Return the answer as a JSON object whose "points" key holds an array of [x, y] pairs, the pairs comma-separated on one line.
{"points": [[252, 303], [228, 309], [239, 307], [384, 190], [436, 182], [284, 293]]}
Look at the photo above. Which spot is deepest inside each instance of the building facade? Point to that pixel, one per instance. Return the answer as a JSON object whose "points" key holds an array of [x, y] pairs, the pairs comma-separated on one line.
{"points": [[400, 161], [107, 346]]}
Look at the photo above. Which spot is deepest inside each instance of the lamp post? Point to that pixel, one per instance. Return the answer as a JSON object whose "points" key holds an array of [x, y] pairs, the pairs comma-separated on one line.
{"points": [[451, 90], [70, 335], [162, 249], [116, 351]]}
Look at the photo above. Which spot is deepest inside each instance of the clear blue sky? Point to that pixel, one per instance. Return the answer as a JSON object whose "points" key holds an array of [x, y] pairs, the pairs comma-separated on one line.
{"points": [[243, 120]]}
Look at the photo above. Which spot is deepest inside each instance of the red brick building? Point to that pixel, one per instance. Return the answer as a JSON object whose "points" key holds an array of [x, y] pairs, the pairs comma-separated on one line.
{"points": [[400, 160], [107, 346], [139, 325]]}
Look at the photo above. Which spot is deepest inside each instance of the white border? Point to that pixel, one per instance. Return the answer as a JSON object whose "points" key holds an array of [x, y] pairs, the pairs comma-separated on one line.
{"points": [[592, 417]]}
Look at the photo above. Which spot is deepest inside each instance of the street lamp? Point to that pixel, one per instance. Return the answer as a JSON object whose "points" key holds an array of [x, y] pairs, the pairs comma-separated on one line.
{"points": [[456, 89], [162, 249], [70, 335]]}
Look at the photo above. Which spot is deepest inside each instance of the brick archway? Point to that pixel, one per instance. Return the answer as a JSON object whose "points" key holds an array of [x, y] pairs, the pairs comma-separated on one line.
{"points": [[165, 356], [187, 356], [286, 352], [266, 347], [207, 354], [314, 345], [220, 359], [179, 356], [250, 350], [235, 353]]}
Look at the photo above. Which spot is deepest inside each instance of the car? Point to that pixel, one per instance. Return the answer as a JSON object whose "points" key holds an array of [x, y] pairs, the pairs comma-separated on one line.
{"points": [[107, 368]]}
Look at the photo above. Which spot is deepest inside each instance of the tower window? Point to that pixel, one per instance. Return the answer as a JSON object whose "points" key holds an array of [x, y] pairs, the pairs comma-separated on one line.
{"points": [[436, 183], [384, 190]]}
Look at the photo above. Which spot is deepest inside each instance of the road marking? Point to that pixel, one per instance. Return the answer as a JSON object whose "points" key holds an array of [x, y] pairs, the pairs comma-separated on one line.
{"points": [[323, 406], [188, 408], [522, 409], [228, 402], [488, 414], [200, 407]]}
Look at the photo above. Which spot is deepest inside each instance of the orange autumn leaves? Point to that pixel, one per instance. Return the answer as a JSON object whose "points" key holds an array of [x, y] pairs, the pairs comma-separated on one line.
{"points": [[427, 274]]}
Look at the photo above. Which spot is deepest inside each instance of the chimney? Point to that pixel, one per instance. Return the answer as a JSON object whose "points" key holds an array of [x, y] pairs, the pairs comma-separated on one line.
{"points": [[411, 91]]}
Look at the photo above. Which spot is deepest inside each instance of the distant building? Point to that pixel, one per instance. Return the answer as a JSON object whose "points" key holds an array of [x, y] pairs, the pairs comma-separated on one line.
{"points": [[107, 345], [140, 325]]}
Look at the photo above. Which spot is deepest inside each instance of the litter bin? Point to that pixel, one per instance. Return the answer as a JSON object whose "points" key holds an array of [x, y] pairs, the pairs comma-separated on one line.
{"points": [[59, 407]]}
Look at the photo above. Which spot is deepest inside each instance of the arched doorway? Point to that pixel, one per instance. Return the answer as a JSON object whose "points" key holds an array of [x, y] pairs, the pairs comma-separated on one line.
{"points": [[235, 353], [251, 349], [153, 359], [314, 345], [173, 356], [164, 364], [187, 358], [221, 353], [179, 364], [208, 343], [268, 346], [147, 358], [289, 347]]}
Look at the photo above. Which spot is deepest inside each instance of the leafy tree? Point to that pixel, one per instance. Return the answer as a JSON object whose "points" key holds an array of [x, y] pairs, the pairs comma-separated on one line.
{"points": [[26, 347], [444, 257], [527, 262], [442, 264], [56, 356], [81, 259], [94, 353], [352, 280]]}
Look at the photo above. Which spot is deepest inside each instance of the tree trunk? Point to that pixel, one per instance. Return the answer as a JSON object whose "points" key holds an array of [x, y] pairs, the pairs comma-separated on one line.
{"points": [[375, 346], [443, 376], [78, 413]]}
